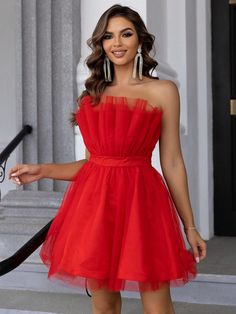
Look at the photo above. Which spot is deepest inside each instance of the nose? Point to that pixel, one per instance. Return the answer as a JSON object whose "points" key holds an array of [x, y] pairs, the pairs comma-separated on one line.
{"points": [[116, 41]]}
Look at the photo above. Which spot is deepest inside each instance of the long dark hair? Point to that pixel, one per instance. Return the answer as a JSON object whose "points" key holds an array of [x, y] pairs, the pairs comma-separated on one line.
{"points": [[95, 83]]}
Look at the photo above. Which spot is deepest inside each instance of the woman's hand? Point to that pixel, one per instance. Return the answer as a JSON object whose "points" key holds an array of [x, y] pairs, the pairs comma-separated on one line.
{"points": [[25, 173], [197, 244]]}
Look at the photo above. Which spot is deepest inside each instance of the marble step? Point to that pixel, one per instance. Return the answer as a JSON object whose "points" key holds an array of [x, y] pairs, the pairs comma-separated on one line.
{"points": [[32, 198], [26, 212], [26, 220], [15, 311], [27, 228], [23, 204], [10, 243], [28, 302], [22, 212], [205, 289]]}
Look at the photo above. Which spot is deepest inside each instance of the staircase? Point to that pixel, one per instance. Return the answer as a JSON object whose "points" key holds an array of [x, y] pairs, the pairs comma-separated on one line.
{"points": [[23, 213]]}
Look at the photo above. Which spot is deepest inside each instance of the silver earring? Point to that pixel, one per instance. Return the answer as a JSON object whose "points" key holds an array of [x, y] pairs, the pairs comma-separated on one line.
{"points": [[140, 66], [107, 69]]}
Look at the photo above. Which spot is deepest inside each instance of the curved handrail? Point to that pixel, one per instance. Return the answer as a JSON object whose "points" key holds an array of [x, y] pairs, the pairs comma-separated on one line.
{"points": [[27, 129], [25, 251]]}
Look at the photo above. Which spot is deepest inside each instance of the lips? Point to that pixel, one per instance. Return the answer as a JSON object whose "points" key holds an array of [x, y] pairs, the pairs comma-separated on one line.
{"points": [[119, 53]]}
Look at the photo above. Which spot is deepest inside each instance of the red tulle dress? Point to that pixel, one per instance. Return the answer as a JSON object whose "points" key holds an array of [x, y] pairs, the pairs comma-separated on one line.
{"points": [[117, 226]]}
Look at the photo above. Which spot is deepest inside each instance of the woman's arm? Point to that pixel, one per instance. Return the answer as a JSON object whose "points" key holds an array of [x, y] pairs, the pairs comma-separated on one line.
{"points": [[171, 158], [63, 171], [173, 167], [27, 173]]}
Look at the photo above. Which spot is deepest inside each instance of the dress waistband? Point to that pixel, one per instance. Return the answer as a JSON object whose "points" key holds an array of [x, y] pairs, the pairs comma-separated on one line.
{"points": [[120, 160]]}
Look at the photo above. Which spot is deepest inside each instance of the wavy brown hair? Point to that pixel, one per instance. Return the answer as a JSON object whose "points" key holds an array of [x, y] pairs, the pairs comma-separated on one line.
{"points": [[96, 84]]}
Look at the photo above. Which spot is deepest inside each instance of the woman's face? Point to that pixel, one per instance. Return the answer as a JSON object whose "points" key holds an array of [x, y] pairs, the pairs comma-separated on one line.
{"points": [[120, 41]]}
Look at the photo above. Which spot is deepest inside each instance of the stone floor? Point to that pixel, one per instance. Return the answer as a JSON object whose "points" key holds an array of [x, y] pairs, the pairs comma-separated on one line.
{"points": [[28, 302], [221, 256]]}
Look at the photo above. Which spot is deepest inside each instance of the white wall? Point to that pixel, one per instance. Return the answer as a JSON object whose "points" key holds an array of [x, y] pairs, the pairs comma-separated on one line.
{"points": [[8, 114]]}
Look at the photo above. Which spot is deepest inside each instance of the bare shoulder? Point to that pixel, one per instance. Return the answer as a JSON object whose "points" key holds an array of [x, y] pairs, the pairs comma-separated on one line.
{"points": [[163, 89], [165, 93], [166, 84]]}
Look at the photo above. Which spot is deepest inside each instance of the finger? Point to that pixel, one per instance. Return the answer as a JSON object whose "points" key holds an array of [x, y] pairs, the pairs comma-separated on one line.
{"points": [[12, 170], [16, 181], [21, 169], [203, 252], [196, 254]]}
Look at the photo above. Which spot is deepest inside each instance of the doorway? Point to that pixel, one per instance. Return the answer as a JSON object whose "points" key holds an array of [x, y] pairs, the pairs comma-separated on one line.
{"points": [[224, 115]]}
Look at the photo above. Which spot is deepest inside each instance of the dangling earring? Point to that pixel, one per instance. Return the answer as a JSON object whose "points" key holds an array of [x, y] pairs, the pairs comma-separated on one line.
{"points": [[140, 66], [107, 69]]}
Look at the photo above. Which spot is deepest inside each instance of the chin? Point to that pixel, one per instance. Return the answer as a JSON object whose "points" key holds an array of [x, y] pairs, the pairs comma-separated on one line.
{"points": [[121, 61]]}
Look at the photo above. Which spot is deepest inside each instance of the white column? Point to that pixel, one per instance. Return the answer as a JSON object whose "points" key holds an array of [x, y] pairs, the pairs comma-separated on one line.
{"points": [[45, 55], [8, 86], [176, 52], [205, 136], [158, 16]]}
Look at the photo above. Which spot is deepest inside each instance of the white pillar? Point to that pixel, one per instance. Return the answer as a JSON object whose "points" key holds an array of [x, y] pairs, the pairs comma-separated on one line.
{"points": [[176, 52], [205, 136]]}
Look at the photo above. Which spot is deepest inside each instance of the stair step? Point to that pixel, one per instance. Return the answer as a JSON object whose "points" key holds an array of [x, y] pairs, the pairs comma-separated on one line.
{"points": [[31, 302], [10, 243], [15, 311], [205, 289], [21, 212], [32, 198], [26, 212], [20, 228], [26, 220]]}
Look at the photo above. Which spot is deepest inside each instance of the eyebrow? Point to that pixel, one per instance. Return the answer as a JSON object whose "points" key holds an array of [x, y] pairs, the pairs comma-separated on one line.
{"points": [[125, 29]]}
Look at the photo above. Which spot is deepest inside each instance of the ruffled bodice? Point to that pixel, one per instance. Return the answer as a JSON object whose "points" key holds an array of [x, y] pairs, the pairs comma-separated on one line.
{"points": [[115, 126]]}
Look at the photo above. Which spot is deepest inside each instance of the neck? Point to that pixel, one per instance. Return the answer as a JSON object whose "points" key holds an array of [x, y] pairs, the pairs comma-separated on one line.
{"points": [[123, 75]]}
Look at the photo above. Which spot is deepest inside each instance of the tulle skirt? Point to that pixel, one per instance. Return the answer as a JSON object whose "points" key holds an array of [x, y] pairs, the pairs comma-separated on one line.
{"points": [[117, 228]]}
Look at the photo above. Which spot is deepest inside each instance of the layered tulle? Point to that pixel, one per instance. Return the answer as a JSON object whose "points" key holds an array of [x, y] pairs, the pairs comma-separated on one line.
{"points": [[117, 226]]}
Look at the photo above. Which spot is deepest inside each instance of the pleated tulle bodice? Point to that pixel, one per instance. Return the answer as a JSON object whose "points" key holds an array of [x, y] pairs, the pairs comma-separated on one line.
{"points": [[119, 126]]}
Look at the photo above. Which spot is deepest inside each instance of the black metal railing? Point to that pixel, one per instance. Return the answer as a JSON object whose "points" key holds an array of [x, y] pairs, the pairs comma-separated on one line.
{"points": [[27, 129]]}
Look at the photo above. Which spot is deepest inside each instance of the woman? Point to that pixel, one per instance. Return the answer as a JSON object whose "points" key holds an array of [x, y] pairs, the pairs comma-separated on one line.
{"points": [[117, 227]]}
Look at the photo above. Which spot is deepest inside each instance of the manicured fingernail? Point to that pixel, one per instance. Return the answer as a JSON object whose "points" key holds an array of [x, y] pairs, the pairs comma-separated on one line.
{"points": [[13, 174], [197, 259]]}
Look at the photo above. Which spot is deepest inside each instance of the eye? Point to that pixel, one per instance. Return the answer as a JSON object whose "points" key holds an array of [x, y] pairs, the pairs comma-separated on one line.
{"points": [[107, 36], [127, 34]]}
